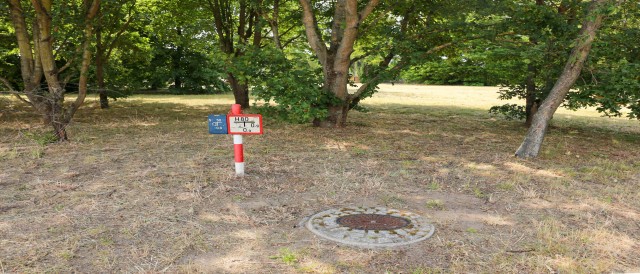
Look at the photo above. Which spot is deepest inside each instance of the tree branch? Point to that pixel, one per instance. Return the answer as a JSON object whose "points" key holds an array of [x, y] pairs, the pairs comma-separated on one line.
{"points": [[13, 91], [289, 41], [66, 66], [349, 34], [275, 28], [402, 64], [356, 59], [224, 34], [92, 11], [339, 17], [27, 60], [367, 10], [6, 83], [375, 21], [288, 30], [313, 35], [121, 31]]}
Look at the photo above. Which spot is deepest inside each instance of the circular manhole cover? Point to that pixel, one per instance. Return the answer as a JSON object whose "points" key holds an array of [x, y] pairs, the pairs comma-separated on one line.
{"points": [[370, 226]]}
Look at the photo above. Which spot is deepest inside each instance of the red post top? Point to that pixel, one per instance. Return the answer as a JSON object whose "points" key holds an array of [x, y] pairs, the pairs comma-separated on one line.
{"points": [[236, 109]]}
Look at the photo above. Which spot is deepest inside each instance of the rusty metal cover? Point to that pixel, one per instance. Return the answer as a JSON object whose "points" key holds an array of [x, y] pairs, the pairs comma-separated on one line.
{"points": [[370, 226]]}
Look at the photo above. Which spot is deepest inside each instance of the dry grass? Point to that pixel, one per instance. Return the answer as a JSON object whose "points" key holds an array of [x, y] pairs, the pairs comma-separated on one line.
{"points": [[143, 188]]}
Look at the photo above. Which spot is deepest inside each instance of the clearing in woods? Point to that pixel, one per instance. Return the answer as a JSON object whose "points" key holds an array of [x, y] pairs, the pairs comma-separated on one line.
{"points": [[142, 187]]}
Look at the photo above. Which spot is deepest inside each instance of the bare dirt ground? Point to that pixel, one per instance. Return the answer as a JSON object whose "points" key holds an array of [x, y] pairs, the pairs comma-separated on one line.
{"points": [[142, 187]]}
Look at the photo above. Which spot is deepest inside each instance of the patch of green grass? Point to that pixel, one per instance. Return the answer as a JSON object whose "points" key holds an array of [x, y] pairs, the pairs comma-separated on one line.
{"points": [[106, 241], [389, 200], [426, 270], [58, 207], [43, 138], [471, 230], [479, 193], [435, 204], [407, 163], [359, 151], [286, 256], [434, 185], [66, 255], [506, 185], [24, 187], [37, 152], [9, 154], [54, 230]]}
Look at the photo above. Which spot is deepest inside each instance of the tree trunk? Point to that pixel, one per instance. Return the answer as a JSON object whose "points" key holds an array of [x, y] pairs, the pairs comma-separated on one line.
{"points": [[532, 101], [104, 98], [337, 117], [54, 112], [100, 62], [37, 59], [234, 34], [530, 147], [240, 91], [175, 58], [57, 121], [336, 59], [275, 29], [335, 82]]}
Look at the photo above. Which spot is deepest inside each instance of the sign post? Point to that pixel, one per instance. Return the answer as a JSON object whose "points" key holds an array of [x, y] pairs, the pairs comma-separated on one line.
{"points": [[237, 124], [238, 150]]}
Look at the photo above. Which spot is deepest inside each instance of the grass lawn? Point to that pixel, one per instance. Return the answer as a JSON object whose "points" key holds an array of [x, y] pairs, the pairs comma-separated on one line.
{"points": [[142, 187]]}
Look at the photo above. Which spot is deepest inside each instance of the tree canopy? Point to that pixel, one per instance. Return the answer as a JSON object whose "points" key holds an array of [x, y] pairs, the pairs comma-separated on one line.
{"points": [[298, 58]]}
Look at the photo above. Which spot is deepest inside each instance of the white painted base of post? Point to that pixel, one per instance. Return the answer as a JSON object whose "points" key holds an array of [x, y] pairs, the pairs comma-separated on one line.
{"points": [[240, 169], [239, 154]]}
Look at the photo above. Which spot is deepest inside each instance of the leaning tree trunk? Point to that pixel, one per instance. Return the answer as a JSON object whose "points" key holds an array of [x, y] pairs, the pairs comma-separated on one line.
{"points": [[530, 147]]}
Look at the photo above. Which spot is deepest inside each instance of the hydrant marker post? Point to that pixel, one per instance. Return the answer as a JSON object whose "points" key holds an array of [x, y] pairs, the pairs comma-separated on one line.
{"points": [[237, 124]]}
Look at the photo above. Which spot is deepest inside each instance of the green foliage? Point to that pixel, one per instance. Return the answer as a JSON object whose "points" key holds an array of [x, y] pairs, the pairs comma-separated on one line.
{"points": [[9, 59], [200, 73], [528, 60], [168, 48], [290, 89], [611, 78], [130, 65], [455, 70], [509, 111], [42, 139], [544, 37], [173, 45]]}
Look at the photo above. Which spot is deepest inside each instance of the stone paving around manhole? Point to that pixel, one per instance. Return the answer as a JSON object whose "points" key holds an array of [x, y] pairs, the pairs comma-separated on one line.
{"points": [[403, 227]]}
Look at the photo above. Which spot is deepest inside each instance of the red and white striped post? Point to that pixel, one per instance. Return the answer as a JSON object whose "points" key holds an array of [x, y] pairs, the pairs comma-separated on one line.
{"points": [[238, 150]]}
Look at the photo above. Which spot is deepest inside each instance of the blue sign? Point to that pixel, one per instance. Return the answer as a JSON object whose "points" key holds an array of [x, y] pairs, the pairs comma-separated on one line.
{"points": [[218, 124]]}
